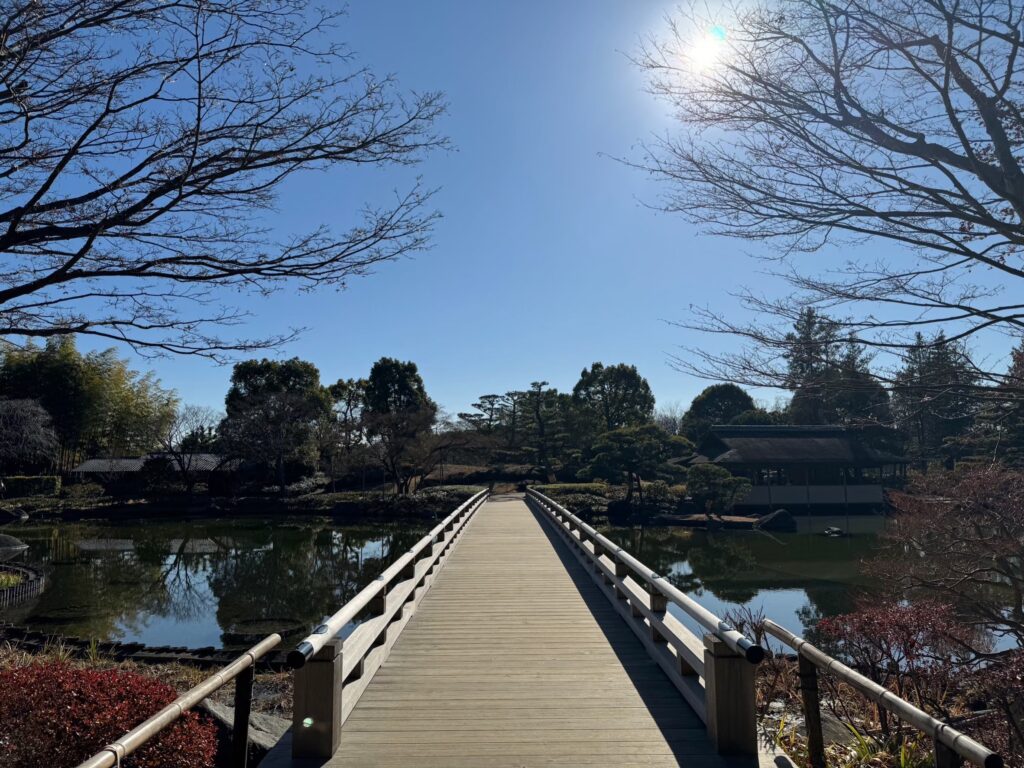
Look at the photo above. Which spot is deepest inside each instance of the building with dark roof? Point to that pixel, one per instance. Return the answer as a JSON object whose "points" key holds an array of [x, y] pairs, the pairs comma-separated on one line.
{"points": [[803, 466], [194, 462]]}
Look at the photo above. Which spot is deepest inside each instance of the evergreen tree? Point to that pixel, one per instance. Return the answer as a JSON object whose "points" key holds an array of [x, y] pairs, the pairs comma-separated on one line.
{"points": [[830, 376], [616, 396], [717, 404], [935, 396], [998, 430], [271, 410]]}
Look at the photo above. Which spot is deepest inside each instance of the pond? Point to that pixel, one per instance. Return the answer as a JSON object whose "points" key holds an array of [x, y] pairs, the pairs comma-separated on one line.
{"points": [[793, 578], [225, 583], [220, 583]]}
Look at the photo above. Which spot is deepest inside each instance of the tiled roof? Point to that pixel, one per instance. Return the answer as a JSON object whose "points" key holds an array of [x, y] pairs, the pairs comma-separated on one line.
{"points": [[195, 462], [775, 445]]}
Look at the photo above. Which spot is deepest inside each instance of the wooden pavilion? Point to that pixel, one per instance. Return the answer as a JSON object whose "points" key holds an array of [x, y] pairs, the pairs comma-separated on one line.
{"points": [[806, 467]]}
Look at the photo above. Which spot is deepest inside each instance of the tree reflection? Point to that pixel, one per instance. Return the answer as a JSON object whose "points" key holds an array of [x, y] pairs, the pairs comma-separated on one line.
{"points": [[110, 582], [735, 567]]}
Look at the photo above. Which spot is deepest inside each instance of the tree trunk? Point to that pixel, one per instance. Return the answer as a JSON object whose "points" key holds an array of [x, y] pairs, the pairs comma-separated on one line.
{"points": [[280, 475]]}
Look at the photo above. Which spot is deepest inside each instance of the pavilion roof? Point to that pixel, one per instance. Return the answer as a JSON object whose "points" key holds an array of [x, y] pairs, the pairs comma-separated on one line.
{"points": [[781, 445]]}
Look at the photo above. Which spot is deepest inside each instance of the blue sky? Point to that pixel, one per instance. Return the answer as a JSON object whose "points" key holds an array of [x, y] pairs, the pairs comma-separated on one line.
{"points": [[547, 258]]}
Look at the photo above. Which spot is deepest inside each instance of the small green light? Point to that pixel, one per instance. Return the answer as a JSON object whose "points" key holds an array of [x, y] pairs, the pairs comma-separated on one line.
{"points": [[307, 723]]}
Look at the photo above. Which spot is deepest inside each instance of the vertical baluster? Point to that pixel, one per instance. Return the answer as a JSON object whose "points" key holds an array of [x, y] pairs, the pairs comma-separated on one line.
{"points": [[812, 712], [945, 757], [240, 725]]}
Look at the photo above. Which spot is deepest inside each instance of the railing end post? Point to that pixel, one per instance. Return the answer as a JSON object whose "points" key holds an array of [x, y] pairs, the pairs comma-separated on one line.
{"points": [[729, 692], [316, 709]]}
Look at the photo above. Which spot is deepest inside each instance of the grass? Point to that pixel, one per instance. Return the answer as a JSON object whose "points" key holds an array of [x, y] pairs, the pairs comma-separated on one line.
{"points": [[8, 580]]}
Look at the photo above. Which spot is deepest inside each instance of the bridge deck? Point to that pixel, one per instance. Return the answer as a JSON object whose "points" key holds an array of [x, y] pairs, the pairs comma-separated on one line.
{"points": [[515, 658]]}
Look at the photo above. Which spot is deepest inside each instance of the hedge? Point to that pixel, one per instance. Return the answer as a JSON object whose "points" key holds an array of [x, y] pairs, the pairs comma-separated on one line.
{"points": [[40, 485], [562, 489], [53, 714]]}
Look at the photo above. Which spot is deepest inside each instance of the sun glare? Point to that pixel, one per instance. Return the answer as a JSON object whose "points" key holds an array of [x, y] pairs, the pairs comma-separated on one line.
{"points": [[707, 49]]}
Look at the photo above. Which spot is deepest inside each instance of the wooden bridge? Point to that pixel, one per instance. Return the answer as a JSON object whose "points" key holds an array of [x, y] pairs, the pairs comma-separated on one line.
{"points": [[514, 635], [525, 651]]}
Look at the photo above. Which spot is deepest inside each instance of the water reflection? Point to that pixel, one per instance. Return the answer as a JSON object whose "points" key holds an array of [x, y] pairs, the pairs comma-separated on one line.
{"points": [[225, 583], [210, 583], [795, 578]]}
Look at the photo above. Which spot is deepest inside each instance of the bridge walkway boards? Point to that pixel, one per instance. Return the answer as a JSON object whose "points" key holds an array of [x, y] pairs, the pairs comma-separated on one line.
{"points": [[515, 659]]}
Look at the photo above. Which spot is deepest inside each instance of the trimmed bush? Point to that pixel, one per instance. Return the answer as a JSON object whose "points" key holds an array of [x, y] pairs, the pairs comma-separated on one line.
{"points": [[55, 714], [23, 485], [564, 489], [81, 491]]}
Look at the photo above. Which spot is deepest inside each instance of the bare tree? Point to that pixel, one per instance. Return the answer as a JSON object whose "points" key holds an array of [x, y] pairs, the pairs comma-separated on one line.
{"points": [[180, 439], [143, 144], [26, 433], [814, 123]]}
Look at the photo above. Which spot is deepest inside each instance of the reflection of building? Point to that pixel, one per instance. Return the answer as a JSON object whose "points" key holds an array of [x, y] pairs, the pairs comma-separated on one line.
{"points": [[794, 467]]}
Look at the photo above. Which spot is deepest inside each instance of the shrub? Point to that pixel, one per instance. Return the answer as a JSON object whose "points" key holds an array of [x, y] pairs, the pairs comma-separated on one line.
{"points": [[311, 484], [658, 492], [79, 491], [917, 650], [564, 489], [56, 714], [42, 485]]}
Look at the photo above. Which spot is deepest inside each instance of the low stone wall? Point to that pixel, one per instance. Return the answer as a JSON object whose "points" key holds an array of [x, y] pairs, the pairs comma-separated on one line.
{"points": [[32, 584]]}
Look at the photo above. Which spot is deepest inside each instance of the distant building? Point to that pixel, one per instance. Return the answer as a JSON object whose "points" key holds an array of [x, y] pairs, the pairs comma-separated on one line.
{"points": [[195, 462], [803, 466]]}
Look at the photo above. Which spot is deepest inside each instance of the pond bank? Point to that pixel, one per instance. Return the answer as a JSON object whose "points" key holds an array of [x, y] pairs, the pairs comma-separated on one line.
{"points": [[350, 507]]}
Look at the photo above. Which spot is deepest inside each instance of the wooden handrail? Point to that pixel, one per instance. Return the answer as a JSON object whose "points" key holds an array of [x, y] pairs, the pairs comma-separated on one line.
{"points": [[348, 612], [331, 673], [944, 735], [714, 674], [240, 670], [721, 629]]}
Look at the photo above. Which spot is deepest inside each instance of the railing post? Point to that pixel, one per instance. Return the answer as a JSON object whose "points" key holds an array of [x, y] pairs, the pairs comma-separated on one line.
{"points": [[946, 757], [812, 711], [316, 718], [729, 684], [659, 604], [240, 725]]}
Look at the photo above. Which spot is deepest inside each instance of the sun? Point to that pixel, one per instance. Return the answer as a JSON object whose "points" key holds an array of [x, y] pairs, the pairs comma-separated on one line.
{"points": [[708, 49]]}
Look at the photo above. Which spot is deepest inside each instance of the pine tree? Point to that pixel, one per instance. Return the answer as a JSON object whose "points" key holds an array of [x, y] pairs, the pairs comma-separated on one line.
{"points": [[935, 397]]}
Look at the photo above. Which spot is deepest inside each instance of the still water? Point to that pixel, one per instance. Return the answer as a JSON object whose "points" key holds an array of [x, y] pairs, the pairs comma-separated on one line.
{"points": [[224, 583], [220, 583], [793, 578]]}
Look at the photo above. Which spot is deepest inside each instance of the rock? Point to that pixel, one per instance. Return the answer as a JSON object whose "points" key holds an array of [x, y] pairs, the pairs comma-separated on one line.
{"points": [[264, 730], [779, 520], [833, 730]]}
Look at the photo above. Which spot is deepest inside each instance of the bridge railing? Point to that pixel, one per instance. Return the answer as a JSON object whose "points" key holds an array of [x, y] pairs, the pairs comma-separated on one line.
{"points": [[332, 672], [241, 671], [714, 673], [952, 747]]}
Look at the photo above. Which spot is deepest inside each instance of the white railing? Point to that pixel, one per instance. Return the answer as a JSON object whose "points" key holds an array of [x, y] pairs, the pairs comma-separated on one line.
{"points": [[331, 673], [715, 674]]}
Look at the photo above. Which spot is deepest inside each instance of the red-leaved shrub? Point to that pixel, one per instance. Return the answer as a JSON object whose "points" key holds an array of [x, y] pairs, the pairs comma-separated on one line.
{"points": [[53, 714], [917, 650]]}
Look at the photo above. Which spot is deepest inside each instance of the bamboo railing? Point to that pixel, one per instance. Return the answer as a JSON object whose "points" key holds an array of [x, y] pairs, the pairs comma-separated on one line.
{"points": [[952, 747], [241, 670], [715, 674], [332, 672]]}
